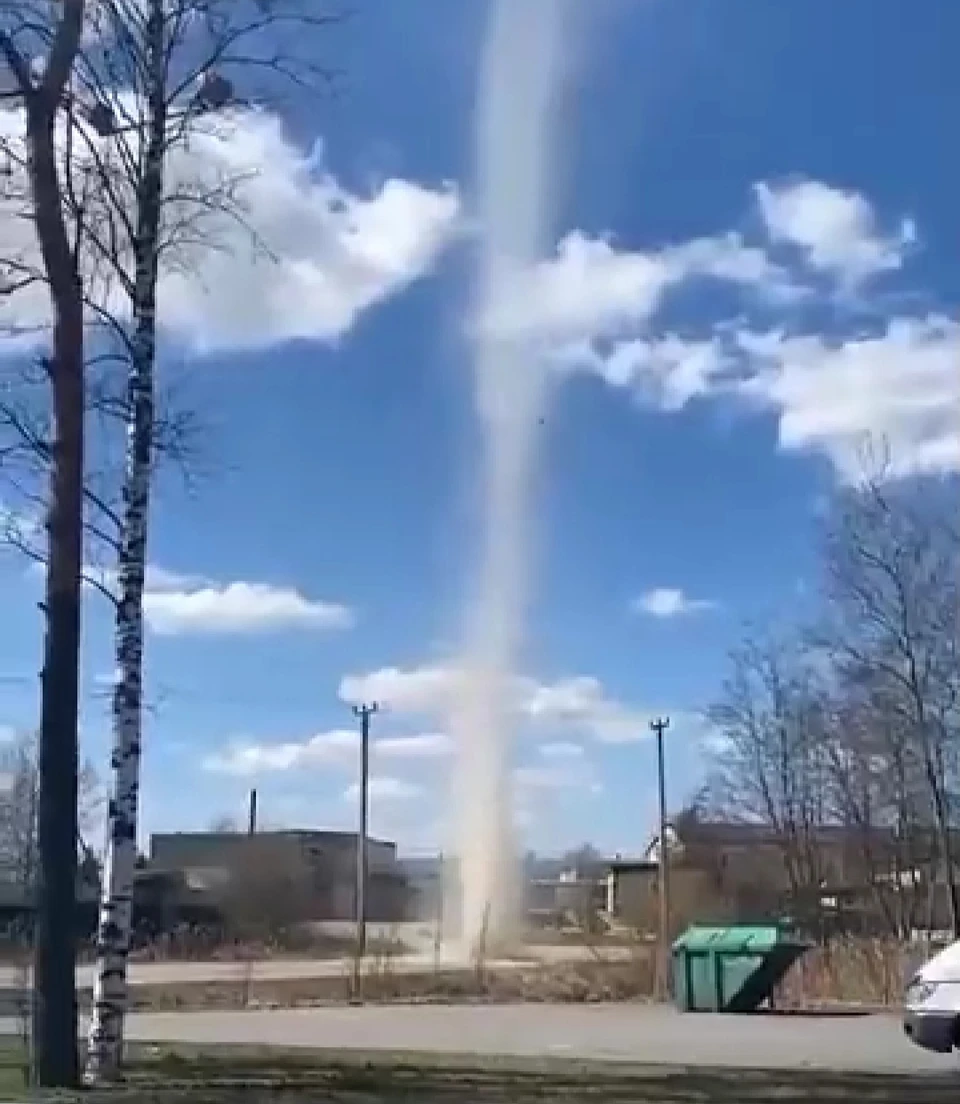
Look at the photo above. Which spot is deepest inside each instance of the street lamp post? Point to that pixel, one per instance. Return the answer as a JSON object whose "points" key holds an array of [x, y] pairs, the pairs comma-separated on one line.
{"points": [[659, 726]]}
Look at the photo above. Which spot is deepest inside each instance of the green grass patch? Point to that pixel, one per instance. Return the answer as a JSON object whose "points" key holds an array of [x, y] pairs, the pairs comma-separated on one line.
{"points": [[14, 1069]]}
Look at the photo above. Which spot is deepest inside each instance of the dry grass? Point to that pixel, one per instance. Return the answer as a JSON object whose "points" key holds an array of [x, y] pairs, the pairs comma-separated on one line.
{"points": [[868, 973], [573, 982], [871, 972], [297, 944]]}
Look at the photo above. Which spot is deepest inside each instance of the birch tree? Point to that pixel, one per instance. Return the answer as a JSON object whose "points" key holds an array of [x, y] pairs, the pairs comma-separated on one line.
{"points": [[40, 86], [163, 70], [155, 75]]}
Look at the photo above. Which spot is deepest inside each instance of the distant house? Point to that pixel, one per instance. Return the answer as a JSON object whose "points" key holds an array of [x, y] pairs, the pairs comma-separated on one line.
{"points": [[317, 870], [724, 871], [630, 888]]}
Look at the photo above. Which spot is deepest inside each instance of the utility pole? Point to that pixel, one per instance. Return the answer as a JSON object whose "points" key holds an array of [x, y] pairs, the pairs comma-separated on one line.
{"points": [[251, 832], [252, 820], [659, 726], [441, 889], [364, 712]]}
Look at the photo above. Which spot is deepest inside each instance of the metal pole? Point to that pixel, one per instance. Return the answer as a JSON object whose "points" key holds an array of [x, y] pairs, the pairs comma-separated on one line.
{"points": [[364, 712], [251, 832], [441, 889], [659, 726], [252, 821]]}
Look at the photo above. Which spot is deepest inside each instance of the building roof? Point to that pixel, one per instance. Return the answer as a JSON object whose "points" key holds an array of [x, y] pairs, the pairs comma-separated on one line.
{"points": [[630, 866], [747, 833]]}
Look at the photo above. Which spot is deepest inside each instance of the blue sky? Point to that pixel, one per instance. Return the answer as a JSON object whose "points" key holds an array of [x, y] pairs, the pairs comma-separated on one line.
{"points": [[754, 268]]}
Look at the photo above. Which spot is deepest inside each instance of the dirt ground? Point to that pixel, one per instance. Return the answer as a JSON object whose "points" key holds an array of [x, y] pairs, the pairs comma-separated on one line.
{"points": [[563, 982]]}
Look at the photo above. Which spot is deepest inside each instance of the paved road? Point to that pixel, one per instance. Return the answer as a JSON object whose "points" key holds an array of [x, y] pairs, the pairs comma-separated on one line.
{"points": [[616, 1033]]}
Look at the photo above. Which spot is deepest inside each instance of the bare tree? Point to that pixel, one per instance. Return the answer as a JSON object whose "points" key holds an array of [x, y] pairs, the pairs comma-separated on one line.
{"points": [[25, 456], [18, 811], [846, 745], [41, 88], [891, 631], [771, 770], [19, 801]]}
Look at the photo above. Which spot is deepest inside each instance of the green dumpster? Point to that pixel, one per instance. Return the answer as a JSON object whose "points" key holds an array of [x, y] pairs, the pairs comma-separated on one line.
{"points": [[731, 969]]}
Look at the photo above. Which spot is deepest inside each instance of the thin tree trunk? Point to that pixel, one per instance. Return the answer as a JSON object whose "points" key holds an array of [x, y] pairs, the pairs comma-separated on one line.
{"points": [[946, 857], [54, 1007], [941, 817], [946, 842], [105, 1052], [55, 1014]]}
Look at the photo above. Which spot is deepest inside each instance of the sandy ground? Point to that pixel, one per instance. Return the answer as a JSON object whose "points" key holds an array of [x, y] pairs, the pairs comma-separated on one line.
{"points": [[169, 973]]}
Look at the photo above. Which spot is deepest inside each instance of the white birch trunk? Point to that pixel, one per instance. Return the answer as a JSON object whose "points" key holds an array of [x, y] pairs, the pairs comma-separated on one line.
{"points": [[110, 996]]}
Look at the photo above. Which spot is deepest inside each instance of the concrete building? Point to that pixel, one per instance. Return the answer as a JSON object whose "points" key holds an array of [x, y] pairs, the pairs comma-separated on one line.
{"points": [[314, 871], [568, 898], [633, 895]]}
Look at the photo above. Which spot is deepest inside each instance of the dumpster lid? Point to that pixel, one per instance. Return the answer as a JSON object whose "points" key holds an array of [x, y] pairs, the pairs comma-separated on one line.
{"points": [[735, 939]]}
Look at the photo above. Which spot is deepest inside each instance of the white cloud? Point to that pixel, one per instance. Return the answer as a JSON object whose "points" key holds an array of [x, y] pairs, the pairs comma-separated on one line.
{"points": [[159, 579], [591, 289], [338, 747], [180, 603], [162, 579], [667, 602], [385, 788], [666, 371], [579, 704], [900, 386], [562, 749], [417, 690], [538, 779], [325, 254], [246, 760], [831, 394], [425, 745], [593, 308], [239, 607], [563, 700], [837, 230], [545, 778]]}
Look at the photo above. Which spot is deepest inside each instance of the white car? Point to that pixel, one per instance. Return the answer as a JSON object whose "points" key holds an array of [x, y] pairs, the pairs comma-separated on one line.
{"points": [[932, 1003]]}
